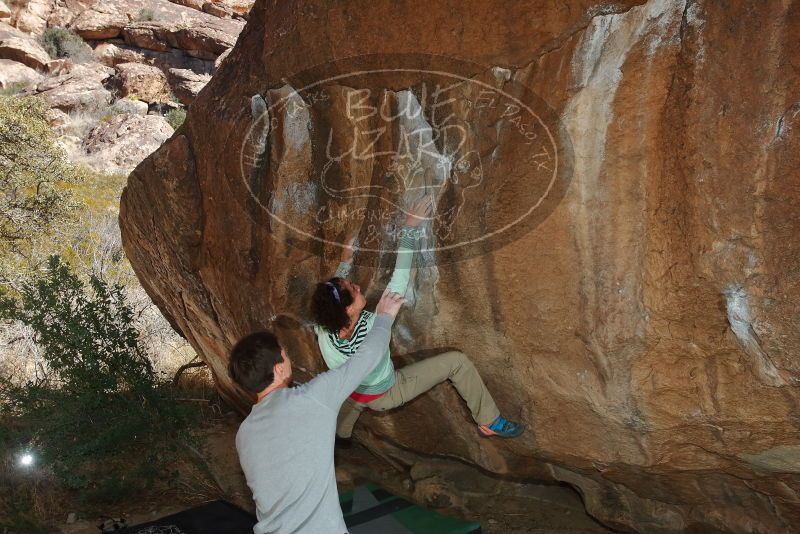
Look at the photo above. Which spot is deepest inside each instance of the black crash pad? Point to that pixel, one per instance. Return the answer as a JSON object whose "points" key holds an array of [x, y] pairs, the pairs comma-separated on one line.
{"points": [[212, 518]]}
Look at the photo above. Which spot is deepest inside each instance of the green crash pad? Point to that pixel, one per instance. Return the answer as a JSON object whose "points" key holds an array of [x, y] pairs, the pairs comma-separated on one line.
{"points": [[369, 509]]}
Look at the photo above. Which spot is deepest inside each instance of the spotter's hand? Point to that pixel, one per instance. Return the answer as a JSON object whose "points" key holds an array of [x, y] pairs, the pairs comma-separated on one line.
{"points": [[390, 303], [420, 211]]}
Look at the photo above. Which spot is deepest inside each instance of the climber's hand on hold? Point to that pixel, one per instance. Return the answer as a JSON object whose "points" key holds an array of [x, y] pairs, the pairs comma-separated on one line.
{"points": [[349, 249], [390, 303], [420, 211]]}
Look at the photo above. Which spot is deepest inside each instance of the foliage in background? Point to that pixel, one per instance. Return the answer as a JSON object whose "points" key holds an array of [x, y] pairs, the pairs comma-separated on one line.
{"points": [[64, 42], [34, 176], [100, 416], [145, 15], [74, 215], [112, 111], [85, 234], [175, 117], [14, 88]]}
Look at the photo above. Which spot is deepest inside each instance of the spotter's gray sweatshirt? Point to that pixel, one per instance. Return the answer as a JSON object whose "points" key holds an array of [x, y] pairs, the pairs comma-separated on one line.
{"points": [[285, 445]]}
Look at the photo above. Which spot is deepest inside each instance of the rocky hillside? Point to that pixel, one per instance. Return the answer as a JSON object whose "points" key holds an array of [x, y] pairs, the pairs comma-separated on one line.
{"points": [[642, 318], [116, 100]]}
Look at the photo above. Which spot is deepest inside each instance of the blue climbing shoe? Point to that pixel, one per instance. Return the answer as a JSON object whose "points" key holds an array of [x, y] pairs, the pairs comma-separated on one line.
{"points": [[502, 427]]}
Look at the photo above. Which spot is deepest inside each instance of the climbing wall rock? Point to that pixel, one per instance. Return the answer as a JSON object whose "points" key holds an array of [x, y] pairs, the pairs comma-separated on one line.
{"points": [[642, 322]]}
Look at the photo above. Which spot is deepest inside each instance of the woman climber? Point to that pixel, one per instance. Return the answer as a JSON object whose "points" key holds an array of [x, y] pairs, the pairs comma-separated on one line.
{"points": [[343, 323]]}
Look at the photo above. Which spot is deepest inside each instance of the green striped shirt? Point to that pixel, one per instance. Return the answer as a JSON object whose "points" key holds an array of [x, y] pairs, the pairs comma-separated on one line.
{"points": [[336, 351]]}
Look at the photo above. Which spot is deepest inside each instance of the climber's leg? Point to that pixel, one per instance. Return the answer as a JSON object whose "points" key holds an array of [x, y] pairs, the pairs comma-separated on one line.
{"points": [[417, 378], [348, 415]]}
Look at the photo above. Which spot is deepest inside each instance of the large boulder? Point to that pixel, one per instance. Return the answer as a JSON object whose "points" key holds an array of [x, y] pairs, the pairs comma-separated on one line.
{"points": [[201, 40], [186, 84], [111, 53], [238, 6], [17, 74], [114, 52], [132, 106], [219, 8], [640, 317], [221, 58], [35, 16], [118, 144], [104, 20], [194, 4], [31, 16], [145, 82], [22, 48], [82, 86], [158, 25]]}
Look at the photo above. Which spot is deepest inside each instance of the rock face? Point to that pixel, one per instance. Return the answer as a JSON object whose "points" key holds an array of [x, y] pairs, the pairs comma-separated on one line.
{"points": [[82, 86], [187, 84], [114, 52], [103, 19], [150, 51], [18, 46], [183, 40], [120, 143], [133, 106], [12, 72], [143, 81], [158, 25], [644, 328], [31, 16], [223, 9], [5, 13]]}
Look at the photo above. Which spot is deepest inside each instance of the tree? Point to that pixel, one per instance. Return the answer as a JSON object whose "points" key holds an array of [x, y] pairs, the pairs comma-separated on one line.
{"points": [[100, 416], [35, 178]]}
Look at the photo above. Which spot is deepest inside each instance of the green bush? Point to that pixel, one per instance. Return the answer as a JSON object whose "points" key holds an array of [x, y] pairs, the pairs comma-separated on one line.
{"points": [[64, 42], [110, 114], [175, 117], [101, 418], [14, 88], [35, 177], [146, 14]]}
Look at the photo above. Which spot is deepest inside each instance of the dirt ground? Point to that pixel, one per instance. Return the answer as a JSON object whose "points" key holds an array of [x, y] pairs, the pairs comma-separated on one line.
{"points": [[501, 507]]}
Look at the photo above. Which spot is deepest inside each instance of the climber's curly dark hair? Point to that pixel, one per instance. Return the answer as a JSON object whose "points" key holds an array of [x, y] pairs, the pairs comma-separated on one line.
{"points": [[329, 311]]}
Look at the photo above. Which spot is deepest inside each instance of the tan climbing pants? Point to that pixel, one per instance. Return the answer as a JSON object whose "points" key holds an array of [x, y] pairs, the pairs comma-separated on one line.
{"points": [[417, 378]]}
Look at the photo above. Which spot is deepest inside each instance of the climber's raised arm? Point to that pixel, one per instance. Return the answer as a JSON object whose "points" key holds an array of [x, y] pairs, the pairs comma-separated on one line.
{"points": [[346, 261], [408, 244]]}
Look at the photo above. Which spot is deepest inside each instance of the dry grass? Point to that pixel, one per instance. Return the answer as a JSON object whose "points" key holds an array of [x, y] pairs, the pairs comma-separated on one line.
{"points": [[28, 495], [31, 500]]}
